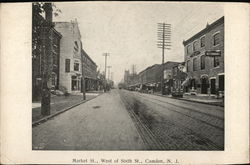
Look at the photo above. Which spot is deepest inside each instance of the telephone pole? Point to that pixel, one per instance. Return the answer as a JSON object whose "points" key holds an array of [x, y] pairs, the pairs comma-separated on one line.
{"points": [[105, 81], [164, 41], [83, 90], [109, 71]]}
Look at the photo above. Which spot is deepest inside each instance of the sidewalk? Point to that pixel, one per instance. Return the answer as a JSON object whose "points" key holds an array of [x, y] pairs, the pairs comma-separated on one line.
{"points": [[204, 99], [99, 124], [60, 104]]}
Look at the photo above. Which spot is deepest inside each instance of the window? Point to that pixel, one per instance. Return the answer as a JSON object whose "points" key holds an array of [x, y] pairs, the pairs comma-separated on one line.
{"points": [[216, 39], [189, 49], [202, 62], [67, 65], [195, 46], [195, 64], [76, 46], [216, 61], [188, 66], [203, 41], [76, 66]]}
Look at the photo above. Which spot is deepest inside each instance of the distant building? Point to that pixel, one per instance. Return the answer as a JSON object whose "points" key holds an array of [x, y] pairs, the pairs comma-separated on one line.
{"points": [[70, 56], [204, 58], [168, 75], [150, 78]]}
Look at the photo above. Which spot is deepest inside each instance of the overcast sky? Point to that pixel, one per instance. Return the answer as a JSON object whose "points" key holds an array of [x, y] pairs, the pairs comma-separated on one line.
{"points": [[128, 30]]}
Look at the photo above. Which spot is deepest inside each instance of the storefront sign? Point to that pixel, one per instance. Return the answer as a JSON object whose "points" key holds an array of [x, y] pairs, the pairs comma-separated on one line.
{"points": [[213, 53]]}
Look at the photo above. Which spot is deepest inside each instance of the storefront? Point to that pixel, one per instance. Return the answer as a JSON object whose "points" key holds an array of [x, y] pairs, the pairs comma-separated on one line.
{"points": [[75, 83]]}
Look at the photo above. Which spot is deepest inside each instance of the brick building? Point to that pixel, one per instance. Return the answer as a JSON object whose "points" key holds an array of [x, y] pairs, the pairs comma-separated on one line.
{"points": [[204, 59], [70, 73], [42, 29], [90, 72]]}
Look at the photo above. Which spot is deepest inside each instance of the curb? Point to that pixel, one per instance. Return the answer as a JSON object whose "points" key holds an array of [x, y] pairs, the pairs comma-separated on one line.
{"points": [[38, 122], [184, 99], [214, 104]]}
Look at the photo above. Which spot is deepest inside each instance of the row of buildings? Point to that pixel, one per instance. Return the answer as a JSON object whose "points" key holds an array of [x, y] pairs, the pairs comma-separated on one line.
{"points": [[67, 61], [202, 68]]}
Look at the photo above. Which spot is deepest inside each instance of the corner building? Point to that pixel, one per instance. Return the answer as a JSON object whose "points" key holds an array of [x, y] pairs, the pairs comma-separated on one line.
{"points": [[204, 59], [70, 73]]}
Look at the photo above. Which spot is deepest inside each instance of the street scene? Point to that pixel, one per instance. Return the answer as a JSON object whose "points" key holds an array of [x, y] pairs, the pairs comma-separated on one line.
{"points": [[126, 76]]}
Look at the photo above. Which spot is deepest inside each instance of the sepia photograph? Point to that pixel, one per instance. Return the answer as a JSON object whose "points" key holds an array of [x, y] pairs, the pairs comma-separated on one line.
{"points": [[128, 76], [133, 82]]}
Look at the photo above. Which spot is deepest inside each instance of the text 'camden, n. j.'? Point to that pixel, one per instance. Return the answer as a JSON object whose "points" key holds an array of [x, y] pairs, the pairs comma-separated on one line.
{"points": [[125, 161]]}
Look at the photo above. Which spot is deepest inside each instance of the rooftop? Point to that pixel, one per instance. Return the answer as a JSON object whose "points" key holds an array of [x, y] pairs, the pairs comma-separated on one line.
{"points": [[205, 30]]}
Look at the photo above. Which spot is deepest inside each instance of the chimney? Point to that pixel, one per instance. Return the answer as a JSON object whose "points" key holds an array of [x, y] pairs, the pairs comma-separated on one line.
{"points": [[48, 11]]}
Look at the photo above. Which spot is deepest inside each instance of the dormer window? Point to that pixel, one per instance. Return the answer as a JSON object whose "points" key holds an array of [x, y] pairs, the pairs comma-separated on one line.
{"points": [[189, 49], [203, 41]]}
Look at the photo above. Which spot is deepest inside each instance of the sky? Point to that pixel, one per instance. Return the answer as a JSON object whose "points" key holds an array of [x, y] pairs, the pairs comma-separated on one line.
{"points": [[128, 30]]}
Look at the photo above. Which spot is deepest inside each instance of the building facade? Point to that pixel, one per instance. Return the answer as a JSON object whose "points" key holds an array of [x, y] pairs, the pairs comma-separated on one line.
{"points": [[70, 73], [204, 59], [90, 72], [150, 78], [43, 51]]}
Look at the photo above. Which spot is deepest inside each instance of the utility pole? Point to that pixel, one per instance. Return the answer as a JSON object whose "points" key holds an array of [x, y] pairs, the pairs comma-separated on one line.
{"points": [[109, 71], [164, 41], [112, 75], [105, 81], [83, 75]]}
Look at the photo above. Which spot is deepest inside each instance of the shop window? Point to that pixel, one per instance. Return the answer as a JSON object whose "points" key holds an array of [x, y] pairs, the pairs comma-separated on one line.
{"points": [[216, 39], [195, 64], [203, 41], [67, 65], [216, 61], [202, 62], [195, 45]]}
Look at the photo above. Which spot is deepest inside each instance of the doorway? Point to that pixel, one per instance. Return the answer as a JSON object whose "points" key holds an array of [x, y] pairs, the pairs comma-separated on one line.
{"points": [[221, 82], [212, 90], [204, 85]]}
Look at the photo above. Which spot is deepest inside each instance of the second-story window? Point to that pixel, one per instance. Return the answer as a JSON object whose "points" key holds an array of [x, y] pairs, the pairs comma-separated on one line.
{"points": [[203, 41], [76, 66], [202, 62], [195, 64], [195, 46], [216, 39], [67, 65]]}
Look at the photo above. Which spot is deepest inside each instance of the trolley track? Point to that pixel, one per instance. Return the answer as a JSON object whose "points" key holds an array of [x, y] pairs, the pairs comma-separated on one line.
{"points": [[216, 119], [147, 136], [159, 139]]}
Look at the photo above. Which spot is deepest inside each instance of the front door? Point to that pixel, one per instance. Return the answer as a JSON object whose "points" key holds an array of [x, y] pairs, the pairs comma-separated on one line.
{"points": [[212, 86], [221, 83], [204, 86]]}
